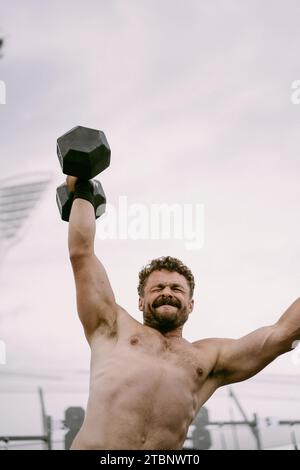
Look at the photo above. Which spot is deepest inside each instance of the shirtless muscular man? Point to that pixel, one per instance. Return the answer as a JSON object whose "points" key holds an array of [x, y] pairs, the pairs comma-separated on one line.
{"points": [[147, 383]]}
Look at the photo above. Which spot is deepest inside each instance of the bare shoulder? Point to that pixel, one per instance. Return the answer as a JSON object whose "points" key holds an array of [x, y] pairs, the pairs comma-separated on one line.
{"points": [[210, 348], [124, 323], [239, 359], [210, 344], [127, 324]]}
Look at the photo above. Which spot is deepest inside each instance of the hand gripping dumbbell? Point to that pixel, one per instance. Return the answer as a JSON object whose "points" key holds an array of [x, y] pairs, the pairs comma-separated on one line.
{"points": [[84, 153]]}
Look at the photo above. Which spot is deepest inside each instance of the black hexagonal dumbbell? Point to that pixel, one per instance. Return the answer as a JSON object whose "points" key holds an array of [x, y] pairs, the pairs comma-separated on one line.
{"points": [[84, 153]]}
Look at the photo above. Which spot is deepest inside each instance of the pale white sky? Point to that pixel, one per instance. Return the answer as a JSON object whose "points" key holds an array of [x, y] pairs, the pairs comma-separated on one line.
{"points": [[195, 100]]}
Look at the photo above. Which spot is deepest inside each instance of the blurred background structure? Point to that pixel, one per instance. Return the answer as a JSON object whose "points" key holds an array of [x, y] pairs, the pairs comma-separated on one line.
{"points": [[19, 195], [232, 427]]}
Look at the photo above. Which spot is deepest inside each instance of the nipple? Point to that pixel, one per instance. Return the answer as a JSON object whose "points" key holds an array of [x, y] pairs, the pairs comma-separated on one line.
{"points": [[199, 371], [134, 340]]}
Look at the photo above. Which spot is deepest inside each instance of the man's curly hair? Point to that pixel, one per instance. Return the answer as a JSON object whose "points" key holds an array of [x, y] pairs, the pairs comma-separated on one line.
{"points": [[170, 264]]}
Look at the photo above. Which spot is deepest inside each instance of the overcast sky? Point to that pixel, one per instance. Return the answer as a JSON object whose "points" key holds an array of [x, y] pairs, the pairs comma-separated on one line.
{"points": [[195, 99]]}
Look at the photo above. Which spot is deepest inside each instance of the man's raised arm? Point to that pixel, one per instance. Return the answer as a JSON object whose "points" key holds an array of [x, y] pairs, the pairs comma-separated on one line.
{"points": [[96, 303], [240, 359]]}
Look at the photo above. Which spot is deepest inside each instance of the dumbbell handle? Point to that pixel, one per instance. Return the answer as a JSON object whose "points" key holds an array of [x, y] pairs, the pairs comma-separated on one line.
{"points": [[64, 199], [71, 182]]}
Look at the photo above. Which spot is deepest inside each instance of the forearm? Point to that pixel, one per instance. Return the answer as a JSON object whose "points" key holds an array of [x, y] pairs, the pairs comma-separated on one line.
{"points": [[82, 228], [289, 325]]}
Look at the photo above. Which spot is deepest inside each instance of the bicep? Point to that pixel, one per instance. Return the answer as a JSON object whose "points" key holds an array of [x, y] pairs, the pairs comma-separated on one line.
{"points": [[96, 303], [240, 359]]}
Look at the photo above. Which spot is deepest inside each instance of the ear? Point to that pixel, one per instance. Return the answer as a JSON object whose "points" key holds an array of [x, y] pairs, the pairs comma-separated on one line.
{"points": [[141, 304], [191, 305]]}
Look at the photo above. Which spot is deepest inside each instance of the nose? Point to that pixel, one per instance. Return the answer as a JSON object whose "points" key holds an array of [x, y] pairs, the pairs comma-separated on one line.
{"points": [[167, 292]]}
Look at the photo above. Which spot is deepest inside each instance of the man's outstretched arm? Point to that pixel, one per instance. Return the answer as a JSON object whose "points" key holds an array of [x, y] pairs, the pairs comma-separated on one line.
{"points": [[95, 299], [240, 359]]}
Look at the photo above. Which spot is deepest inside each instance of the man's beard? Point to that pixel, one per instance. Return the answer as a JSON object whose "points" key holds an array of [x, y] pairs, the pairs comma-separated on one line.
{"points": [[165, 322]]}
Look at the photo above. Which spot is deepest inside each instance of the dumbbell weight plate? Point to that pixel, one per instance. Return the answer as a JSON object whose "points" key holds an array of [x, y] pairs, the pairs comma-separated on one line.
{"points": [[64, 200], [83, 152]]}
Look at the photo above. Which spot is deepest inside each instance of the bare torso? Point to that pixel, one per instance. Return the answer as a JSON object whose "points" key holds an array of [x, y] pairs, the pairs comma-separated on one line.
{"points": [[145, 389]]}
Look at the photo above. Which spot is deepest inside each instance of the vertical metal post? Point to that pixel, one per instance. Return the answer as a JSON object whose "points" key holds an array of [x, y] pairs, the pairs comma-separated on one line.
{"points": [[49, 432], [254, 428], [256, 432], [46, 422], [293, 436]]}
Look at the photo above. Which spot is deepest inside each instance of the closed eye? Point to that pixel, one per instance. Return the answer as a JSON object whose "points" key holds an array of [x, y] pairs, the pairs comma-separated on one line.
{"points": [[160, 287]]}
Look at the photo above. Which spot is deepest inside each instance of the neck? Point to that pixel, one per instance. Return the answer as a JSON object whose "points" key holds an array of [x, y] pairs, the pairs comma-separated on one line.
{"points": [[174, 334]]}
